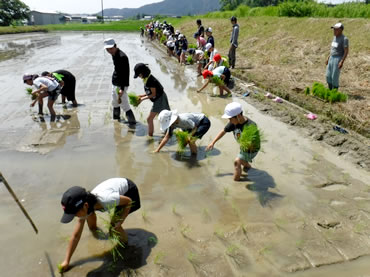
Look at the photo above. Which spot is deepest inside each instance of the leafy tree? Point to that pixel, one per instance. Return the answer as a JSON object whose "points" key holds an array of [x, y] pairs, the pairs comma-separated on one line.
{"points": [[11, 10], [228, 5]]}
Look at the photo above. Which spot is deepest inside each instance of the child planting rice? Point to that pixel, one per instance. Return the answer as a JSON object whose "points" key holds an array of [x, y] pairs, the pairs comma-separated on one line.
{"points": [[154, 92], [193, 126], [220, 76], [245, 132], [120, 193]]}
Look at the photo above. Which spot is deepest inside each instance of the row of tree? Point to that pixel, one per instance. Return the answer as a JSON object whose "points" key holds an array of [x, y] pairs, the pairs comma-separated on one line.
{"points": [[12, 11]]}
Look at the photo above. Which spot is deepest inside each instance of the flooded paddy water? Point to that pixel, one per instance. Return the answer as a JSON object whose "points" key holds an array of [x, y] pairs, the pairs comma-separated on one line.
{"points": [[302, 210]]}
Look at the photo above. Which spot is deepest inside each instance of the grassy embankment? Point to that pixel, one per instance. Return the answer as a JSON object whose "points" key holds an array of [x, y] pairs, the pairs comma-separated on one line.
{"points": [[21, 29], [285, 55]]}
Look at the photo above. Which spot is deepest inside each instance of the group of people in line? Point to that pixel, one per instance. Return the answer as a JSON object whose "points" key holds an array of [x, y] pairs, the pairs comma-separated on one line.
{"points": [[122, 194]]}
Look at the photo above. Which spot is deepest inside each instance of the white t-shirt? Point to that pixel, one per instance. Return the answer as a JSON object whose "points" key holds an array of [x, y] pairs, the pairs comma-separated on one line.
{"points": [[213, 53], [199, 52], [218, 71], [108, 192], [51, 84]]}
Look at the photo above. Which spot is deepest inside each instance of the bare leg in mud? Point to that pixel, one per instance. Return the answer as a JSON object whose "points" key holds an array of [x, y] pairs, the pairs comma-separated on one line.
{"points": [[238, 163], [150, 119]]}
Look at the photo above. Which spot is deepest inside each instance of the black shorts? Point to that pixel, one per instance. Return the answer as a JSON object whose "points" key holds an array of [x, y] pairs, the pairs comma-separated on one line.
{"points": [[202, 128], [171, 48], [227, 74], [133, 193]]}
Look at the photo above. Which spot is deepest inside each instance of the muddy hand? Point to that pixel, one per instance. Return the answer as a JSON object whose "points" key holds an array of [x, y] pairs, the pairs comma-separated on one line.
{"points": [[209, 147], [63, 267]]}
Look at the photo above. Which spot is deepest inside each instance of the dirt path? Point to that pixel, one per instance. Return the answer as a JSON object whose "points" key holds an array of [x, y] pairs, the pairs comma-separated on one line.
{"points": [[301, 207]]}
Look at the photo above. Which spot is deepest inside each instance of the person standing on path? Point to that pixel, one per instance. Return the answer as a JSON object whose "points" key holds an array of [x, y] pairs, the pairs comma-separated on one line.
{"points": [[200, 28], [233, 42], [120, 81], [338, 54]]}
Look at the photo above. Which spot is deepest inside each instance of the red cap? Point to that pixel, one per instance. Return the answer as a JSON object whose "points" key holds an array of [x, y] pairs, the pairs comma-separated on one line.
{"points": [[217, 58], [207, 73]]}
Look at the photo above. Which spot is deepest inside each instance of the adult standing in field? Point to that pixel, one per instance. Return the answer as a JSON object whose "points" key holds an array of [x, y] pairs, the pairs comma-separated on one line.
{"points": [[120, 81], [154, 92], [233, 41], [69, 86], [200, 28], [338, 54]]}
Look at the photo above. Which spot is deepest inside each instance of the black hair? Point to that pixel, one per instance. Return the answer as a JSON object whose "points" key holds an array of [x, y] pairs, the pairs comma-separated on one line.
{"points": [[34, 76], [91, 200], [233, 18], [145, 72], [45, 73], [199, 21]]}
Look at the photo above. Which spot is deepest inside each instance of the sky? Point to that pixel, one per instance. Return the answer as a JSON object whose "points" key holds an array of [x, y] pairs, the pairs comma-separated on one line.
{"points": [[84, 6]]}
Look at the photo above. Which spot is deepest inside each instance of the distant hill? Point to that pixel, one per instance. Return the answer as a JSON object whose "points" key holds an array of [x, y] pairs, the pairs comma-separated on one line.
{"points": [[169, 7]]}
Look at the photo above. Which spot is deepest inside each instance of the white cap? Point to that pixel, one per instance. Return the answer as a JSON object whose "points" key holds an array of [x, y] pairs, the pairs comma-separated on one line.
{"points": [[177, 32], [167, 118], [181, 36], [208, 46], [337, 26], [109, 43], [209, 29], [232, 109]]}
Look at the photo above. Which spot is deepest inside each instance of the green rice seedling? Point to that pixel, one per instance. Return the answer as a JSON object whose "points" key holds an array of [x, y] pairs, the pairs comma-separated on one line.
{"points": [[158, 258], [185, 230], [220, 234], [206, 56], [192, 45], [163, 39], [217, 81], [307, 91], [265, 250], [235, 208], [134, 99], [206, 215], [191, 257], [244, 229], [190, 59], [225, 61], [144, 215], [250, 139], [58, 76], [29, 91], [183, 138], [226, 192], [60, 268], [174, 209], [232, 250], [152, 240], [299, 243], [89, 119]]}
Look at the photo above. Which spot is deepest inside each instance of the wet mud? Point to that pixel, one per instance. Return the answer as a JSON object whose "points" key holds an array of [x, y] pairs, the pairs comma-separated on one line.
{"points": [[302, 210]]}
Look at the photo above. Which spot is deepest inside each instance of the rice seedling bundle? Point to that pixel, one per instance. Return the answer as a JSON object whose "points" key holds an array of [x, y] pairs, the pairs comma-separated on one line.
{"points": [[217, 81], [191, 45], [163, 39], [206, 56], [225, 61], [134, 99], [29, 92], [183, 138], [190, 59], [250, 139], [330, 95]]}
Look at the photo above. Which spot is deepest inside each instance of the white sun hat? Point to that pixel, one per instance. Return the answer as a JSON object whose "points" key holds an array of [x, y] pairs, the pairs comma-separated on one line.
{"points": [[167, 118], [232, 109], [109, 43]]}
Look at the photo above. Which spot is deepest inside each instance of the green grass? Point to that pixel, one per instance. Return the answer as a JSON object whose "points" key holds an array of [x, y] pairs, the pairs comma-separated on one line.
{"points": [[22, 29], [134, 99], [119, 26], [250, 139]]}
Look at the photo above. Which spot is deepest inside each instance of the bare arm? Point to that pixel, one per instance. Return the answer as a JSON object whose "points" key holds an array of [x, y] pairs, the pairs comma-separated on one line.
{"points": [[73, 242], [219, 136], [204, 86], [163, 142], [346, 50], [154, 94]]}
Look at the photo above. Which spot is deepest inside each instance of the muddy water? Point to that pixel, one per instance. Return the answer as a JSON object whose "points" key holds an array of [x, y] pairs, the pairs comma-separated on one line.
{"points": [[194, 220]]}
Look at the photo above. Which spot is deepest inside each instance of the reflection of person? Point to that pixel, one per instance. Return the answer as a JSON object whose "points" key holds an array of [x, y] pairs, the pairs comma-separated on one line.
{"points": [[237, 121], [69, 87], [46, 87], [338, 54], [233, 42], [154, 92], [196, 124], [118, 193], [120, 81], [223, 73]]}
